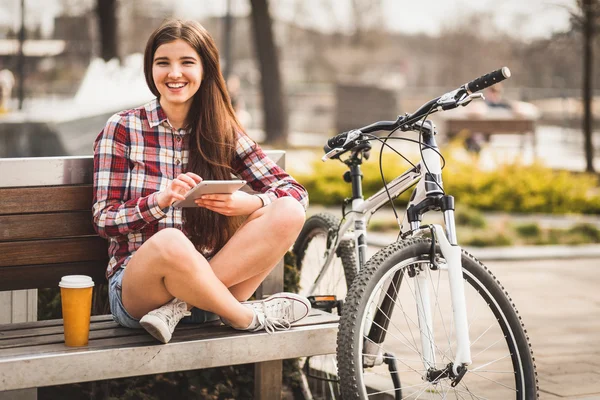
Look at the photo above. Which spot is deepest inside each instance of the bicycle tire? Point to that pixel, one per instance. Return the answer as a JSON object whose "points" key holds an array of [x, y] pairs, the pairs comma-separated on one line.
{"points": [[487, 291], [322, 224]]}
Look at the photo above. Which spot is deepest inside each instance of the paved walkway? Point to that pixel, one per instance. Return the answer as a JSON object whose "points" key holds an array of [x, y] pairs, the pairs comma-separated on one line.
{"points": [[559, 302]]}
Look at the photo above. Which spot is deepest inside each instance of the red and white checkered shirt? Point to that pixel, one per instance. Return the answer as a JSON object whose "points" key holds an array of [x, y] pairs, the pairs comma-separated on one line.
{"points": [[137, 154]]}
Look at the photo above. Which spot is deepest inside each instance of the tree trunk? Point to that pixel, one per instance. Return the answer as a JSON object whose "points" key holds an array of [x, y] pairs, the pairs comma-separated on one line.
{"points": [[274, 108], [107, 21], [588, 61]]}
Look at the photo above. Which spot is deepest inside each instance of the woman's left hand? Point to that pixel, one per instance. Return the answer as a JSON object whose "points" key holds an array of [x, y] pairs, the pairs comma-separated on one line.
{"points": [[237, 203]]}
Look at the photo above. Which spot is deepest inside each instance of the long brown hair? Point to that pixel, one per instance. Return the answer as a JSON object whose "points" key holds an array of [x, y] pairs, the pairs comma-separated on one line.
{"points": [[212, 124]]}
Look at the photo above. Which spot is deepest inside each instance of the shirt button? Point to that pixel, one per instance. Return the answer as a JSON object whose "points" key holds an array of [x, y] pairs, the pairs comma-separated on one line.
{"points": [[177, 162]]}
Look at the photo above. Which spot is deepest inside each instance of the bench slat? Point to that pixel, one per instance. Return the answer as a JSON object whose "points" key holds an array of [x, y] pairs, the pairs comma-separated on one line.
{"points": [[48, 275], [27, 332], [53, 251], [45, 199], [24, 334], [48, 323], [107, 333], [115, 359], [46, 226]]}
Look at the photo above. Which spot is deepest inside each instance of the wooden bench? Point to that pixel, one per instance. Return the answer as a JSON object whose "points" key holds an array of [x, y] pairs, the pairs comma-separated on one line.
{"points": [[46, 232], [491, 126]]}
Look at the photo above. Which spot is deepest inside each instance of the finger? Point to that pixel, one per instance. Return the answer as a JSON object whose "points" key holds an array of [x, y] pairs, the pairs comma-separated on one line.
{"points": [[178, 184], [212, 203], [194, 176], [216, 196], [187, 179], [178, 196]]}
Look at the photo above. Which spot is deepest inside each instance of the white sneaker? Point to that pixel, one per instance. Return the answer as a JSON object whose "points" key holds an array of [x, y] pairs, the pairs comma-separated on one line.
{"points": [[278, 312], [161, 322]]}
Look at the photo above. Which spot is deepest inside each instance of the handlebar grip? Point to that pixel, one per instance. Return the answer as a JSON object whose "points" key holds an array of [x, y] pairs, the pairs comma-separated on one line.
{"points": [[336, 141], [488, 80]]}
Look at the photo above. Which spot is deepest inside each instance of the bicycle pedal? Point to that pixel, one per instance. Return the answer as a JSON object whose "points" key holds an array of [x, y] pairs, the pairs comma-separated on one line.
{"points": [[324, 302]]}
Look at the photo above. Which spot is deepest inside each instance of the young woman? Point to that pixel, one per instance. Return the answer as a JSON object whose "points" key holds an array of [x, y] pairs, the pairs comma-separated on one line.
{"points": [[166, 260]]}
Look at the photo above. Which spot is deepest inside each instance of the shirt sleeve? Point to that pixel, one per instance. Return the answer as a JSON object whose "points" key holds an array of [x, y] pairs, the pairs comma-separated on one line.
{"points": [[262, 174], [114, 212]]}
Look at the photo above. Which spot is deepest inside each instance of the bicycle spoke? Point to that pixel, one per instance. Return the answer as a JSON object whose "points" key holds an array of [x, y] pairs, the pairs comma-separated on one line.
{"points": [[404, 313], [437, 297], [491, 380], [490, 363], [413, 369], [470, 394], [402, 388]]}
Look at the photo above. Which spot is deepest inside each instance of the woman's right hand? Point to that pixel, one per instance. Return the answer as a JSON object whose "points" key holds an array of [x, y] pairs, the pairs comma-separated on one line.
{"points": [[177, 189]]}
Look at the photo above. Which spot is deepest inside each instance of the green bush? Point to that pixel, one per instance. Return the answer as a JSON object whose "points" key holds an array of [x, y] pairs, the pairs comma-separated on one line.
{"points": [[488, 240], [588, 231], [528, 230], [469, 217], [511, 187]]}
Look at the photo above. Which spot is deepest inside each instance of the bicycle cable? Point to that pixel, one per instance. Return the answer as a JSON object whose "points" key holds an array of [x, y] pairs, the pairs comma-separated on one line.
{"points": [[384, 143]]}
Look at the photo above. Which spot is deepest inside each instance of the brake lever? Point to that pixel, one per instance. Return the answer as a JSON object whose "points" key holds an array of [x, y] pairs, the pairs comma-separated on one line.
{"points": [[467, 99], [332, 153]]}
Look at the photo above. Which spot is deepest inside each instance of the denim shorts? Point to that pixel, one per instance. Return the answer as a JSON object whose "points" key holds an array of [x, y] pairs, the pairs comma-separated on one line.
{"points": [[122, 317]]}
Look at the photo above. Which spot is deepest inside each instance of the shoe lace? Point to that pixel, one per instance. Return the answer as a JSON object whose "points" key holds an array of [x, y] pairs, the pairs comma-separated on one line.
{"points": [[281, 309], [173, 312], [272, 324]]}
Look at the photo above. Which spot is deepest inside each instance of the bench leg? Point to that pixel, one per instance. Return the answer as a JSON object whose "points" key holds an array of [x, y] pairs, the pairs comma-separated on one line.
{"points": [[268, 375], [268, 378]]}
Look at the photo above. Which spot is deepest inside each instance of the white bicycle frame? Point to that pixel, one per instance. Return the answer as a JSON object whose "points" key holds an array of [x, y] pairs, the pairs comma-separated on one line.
{"points": [[357, 217]]}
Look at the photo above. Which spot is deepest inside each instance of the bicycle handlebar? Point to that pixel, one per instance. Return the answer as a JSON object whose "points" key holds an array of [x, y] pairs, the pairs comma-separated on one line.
{"points": [[488, 80], [462, 96]]}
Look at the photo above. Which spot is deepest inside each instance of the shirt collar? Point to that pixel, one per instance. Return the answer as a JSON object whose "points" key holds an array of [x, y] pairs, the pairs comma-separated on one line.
{"points": [[155, 113]]}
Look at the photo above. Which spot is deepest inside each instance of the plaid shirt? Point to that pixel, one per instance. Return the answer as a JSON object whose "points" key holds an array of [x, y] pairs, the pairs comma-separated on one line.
{"points": [[137, 154]]}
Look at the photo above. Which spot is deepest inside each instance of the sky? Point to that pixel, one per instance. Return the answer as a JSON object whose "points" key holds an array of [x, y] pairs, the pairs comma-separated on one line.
{"points": [[528, 19]]}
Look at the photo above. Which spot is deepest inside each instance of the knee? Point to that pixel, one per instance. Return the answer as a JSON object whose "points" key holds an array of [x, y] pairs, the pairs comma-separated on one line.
{"points": [[172, 247], [289, 215]]}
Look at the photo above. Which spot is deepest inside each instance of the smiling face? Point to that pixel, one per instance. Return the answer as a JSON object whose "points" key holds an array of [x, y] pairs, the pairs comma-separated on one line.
{"points": [[177, 74]]}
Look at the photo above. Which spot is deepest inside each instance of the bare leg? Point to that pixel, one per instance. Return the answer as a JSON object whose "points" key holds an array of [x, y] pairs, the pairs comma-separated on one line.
{"points": [[265, 238], [168, 266]]}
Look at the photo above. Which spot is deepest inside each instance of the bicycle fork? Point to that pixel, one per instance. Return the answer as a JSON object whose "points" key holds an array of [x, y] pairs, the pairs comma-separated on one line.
{"points": [[452, 254]]}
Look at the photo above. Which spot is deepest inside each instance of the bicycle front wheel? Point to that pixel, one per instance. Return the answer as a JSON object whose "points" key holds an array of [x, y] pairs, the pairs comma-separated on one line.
{"points": [[380, 328]]}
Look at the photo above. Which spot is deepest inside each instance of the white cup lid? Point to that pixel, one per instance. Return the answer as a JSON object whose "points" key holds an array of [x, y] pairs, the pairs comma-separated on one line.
{"points": [[76, 281]]}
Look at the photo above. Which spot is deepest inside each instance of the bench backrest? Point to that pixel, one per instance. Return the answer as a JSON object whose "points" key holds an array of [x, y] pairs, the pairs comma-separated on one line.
{"points": [[46, 228]]}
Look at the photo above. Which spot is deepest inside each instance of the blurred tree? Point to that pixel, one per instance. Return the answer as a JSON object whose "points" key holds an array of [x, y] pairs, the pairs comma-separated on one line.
{"points": [[274, 107], [367, 16], [107, 21], [587, 19]]}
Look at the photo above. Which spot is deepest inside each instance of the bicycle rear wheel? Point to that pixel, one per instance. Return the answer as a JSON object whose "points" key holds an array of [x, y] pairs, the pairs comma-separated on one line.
{"points": [[503, 365], [311, 250]]}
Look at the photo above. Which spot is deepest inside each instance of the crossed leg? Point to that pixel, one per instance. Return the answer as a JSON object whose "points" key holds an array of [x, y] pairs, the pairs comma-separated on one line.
{"points": [[168, 265]]}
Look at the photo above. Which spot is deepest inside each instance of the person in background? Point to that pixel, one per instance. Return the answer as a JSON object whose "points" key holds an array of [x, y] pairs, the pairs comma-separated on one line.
{"points": [[7, 82]]}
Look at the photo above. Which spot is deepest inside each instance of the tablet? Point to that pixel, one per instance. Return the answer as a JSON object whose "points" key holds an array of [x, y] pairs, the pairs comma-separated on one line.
{"points": [[208, 187]]}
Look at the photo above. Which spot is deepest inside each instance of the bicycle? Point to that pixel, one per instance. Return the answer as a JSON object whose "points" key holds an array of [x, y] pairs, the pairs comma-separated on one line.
{"points": [[411, 310]]}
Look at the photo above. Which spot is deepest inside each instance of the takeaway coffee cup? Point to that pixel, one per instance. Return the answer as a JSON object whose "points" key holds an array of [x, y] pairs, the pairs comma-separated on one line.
{"points": [[76, 299]]}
